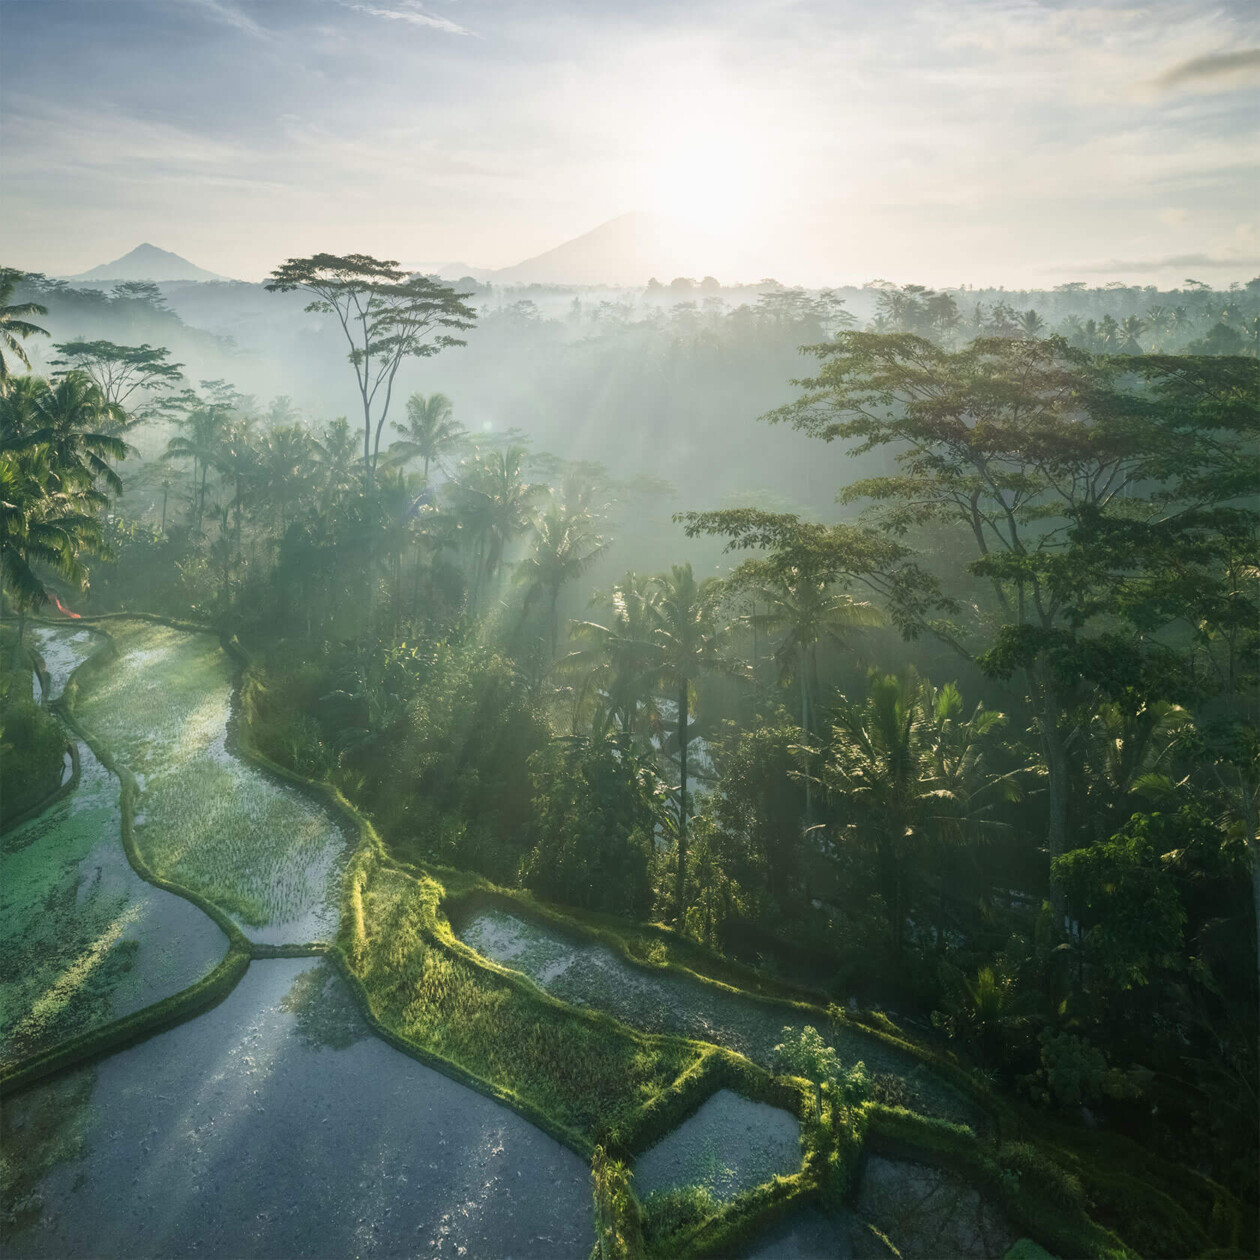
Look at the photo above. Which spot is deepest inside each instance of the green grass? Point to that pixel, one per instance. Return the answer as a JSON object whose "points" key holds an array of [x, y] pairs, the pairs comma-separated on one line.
{"points": [[587, 1073]]}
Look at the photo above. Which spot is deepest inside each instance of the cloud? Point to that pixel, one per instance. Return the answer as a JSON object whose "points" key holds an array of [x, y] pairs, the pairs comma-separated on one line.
{"points": [[1217, 70], [410, 12], [1163, 264], [232, 16]]}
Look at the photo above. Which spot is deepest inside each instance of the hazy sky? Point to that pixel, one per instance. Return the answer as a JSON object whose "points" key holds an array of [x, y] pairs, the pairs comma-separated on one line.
{"points": [[995, 141]]}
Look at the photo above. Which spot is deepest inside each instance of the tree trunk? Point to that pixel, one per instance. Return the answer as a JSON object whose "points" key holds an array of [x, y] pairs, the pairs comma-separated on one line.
{"points": [[682, 800], [18, 653], [806, 721], [1055, 752]]}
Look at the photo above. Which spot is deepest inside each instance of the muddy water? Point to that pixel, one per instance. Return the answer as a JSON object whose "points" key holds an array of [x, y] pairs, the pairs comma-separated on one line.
{"points": [[276, 1125], [84, 940], [591, 974]]}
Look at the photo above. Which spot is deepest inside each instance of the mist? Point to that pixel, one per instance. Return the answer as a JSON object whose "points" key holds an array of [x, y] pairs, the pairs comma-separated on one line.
{"points": [[629, 632]]}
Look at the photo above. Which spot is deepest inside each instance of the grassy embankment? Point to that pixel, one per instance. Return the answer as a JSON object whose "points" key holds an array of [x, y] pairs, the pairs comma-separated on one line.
{"points": [[32, 744]]}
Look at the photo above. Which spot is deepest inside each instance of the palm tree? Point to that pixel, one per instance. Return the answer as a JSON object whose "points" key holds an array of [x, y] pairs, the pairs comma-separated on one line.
{"points": [[565, 546], [14, 321], [397, 498], [687, 643], [336, 456], [615, 660], [237, 461], [288, 461], [911, 771], [1031, 324], [75, 423], [494, 504], [49, 500], [429, 433], [202, 442], [1131, 328], [801, 610]]}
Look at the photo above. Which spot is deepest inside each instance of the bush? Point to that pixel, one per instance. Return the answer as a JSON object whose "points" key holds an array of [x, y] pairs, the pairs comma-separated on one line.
{"points": [[31, 750], [594, 808]]}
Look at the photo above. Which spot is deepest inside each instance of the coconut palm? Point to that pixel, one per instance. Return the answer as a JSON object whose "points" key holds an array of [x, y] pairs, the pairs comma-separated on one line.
{"points": [[14, 322], [911, 771], [336, 457], [494, 504], [614, 660], [801, 610], [49, 497], [565, 546], [430, 431], [1031, 325], [76, 424], [202, 442], [688, 642], [1131, 328]]}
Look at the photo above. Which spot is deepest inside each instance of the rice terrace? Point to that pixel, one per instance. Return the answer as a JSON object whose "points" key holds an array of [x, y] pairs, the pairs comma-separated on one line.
{"points": [[727, 725]]}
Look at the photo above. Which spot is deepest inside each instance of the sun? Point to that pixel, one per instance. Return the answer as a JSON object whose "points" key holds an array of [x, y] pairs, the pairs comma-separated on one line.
{"points": [[707, 176], [705, 157]]}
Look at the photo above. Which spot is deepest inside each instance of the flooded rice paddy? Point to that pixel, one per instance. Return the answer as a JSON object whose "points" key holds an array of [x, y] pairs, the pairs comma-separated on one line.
{"points": [[587, 973], [928, 1212], [270, 856], [83, 939], [728, 1146], [809, 1234], [276, 1125]]}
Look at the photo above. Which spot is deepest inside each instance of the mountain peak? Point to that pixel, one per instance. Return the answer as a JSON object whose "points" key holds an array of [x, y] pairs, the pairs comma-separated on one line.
{"points": [[630, 249], [148, 262]]}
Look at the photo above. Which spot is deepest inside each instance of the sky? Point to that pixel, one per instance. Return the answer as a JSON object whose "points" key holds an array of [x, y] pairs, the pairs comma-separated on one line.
{"points": [[819, 141]]}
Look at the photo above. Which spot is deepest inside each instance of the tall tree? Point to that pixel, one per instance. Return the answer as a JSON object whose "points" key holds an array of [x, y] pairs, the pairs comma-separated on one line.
{"points": [[909, 769], [494, 503], [801, 609], [386, 317], [687, 640], [124, 374], [1013, 442], [565, 546]]}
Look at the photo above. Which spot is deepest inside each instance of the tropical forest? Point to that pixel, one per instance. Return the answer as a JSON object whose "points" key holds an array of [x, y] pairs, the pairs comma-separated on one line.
{"points": [[584, 758]]}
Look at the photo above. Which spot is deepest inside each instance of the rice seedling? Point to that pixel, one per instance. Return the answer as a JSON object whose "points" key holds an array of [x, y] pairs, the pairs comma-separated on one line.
{"points": [[588, 1074], [269, 856], [84, 940]]}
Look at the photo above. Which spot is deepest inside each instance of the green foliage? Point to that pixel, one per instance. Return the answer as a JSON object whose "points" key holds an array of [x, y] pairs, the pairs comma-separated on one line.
{"points": [[455, 785], [805, 1053], [1073, 1072], [618, 1216], [1125, 890], [32, 746], [593, 812]]}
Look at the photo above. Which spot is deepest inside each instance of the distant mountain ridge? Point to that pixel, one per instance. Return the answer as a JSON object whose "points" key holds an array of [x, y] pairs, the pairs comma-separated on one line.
{"points": [[630, 249], [147, 262]]}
